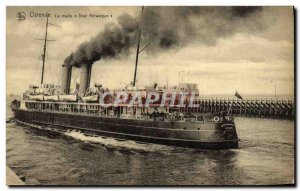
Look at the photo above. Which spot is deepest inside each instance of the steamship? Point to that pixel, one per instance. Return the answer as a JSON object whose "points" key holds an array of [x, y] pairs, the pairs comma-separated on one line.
{"points": [[61, 108]]}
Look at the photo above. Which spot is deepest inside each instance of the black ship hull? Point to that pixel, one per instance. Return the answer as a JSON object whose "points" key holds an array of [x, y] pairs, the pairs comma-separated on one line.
{"points": [[180, 134]]}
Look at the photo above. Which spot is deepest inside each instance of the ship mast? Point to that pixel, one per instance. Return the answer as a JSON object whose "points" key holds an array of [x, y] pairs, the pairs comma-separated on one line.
{"points": [[44, 53], [138, 51], [45, 48]]}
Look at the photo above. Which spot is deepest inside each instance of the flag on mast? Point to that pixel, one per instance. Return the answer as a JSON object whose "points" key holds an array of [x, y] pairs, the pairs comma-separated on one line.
{"points": [[238, 95]]}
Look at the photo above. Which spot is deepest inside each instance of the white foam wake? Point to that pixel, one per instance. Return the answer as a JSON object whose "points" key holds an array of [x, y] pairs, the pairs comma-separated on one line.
{"points": [[111, 142]]}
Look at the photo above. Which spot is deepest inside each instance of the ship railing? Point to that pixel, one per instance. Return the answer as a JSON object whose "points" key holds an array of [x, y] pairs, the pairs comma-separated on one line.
{"points": [[77, 108], [96, 110], [135, 116]]}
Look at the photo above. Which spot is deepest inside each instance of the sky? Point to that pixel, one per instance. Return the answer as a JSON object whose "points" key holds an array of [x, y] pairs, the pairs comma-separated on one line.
{"points": [[221, 49]]}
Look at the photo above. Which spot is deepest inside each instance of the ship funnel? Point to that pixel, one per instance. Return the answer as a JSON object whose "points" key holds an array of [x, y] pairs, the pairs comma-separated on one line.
{"points": [[85, 77], [66, 78]]}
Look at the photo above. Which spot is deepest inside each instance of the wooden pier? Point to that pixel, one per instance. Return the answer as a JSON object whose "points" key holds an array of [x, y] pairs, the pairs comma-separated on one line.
{"points": [[269, 108]]}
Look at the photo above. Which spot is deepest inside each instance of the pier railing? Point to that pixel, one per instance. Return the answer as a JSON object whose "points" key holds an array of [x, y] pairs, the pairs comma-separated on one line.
{"points": [[264, 107]]}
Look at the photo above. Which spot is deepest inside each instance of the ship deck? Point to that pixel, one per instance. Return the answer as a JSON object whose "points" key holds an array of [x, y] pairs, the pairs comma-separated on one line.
{"points": [[132, 117]]}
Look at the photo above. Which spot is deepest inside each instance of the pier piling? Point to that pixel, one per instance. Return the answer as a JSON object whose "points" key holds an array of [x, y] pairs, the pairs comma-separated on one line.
{"points": [[264, 107]]}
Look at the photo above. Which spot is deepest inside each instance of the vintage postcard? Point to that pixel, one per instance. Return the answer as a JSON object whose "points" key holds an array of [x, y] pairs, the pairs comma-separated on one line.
{"points": [[150, 95]]}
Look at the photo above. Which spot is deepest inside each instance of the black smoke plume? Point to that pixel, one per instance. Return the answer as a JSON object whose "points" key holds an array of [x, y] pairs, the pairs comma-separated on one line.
{"points": [[165, 28]]}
